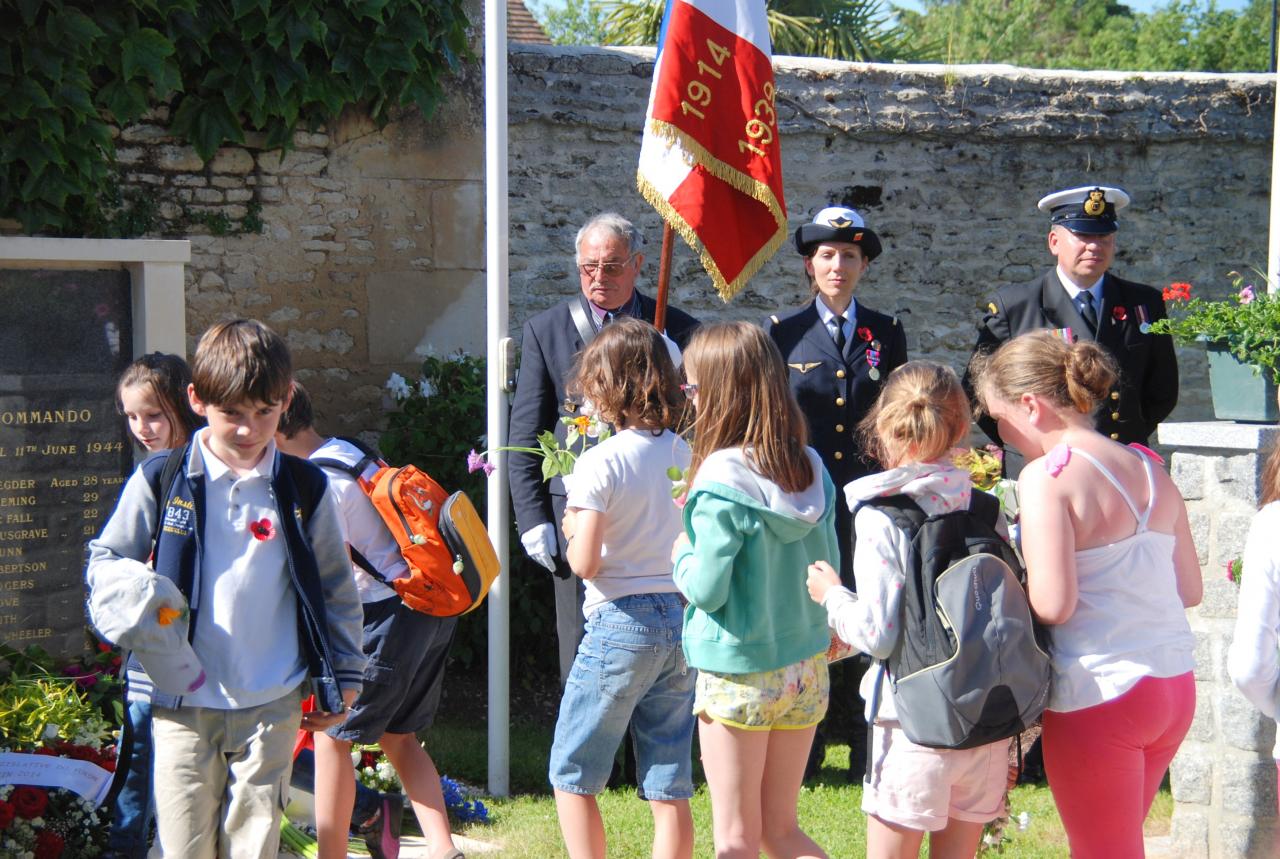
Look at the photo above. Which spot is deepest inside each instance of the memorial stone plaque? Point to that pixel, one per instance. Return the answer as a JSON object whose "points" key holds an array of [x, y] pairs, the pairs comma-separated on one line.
{"points": [[65, 337]]}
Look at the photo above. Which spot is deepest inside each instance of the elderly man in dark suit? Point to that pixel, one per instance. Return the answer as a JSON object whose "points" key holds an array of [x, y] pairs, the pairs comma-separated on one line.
{"points": [[1082, 299], [609, 259]]}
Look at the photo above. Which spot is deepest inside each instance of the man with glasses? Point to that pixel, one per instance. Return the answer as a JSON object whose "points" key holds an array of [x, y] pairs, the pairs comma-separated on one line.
{"points": [[609, 259]]}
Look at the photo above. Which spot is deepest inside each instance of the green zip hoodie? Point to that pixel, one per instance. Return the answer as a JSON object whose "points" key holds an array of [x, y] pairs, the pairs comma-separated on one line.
{"points": [[744, 570]]}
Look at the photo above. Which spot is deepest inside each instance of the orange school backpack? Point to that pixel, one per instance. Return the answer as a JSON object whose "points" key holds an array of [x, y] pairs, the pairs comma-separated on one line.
{"points": [[441, 536]]}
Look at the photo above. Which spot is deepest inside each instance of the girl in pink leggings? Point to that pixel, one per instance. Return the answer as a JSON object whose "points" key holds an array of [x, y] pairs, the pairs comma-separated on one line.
{"points": [[1111, 566]]}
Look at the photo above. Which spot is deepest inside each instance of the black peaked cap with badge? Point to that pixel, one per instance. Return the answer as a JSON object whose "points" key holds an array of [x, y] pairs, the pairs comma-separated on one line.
{"points": [[837, 224], [1147, 389]]}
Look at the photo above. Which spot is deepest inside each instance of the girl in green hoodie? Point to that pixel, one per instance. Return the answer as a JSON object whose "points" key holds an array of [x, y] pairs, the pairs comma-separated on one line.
{"points": [[760, 509]]}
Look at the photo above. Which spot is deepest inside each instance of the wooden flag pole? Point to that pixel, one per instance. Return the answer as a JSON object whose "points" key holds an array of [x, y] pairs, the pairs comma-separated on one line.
{"points": [[664, 277]]}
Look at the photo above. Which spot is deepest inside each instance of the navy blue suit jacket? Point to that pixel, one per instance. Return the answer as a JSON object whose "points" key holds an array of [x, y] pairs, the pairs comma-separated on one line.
{"points": [[548, 349], [1147, 389], [835, 391]]}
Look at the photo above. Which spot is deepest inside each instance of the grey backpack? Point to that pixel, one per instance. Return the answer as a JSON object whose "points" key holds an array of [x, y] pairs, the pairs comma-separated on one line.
{"points": [[970, 666]]}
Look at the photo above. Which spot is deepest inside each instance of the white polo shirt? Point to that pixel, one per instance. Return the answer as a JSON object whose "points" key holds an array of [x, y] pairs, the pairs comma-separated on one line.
{"points": [[247, 621]]}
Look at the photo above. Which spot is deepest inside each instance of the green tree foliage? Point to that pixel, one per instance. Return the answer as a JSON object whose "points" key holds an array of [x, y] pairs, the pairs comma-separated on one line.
{"points": [[575, 22], [838, 29], [70, 70], [1185, 35]]}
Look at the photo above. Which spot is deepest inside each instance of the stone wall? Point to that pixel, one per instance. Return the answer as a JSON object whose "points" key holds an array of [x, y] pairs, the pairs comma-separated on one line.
{"points": [[373, 245], [1224, 776], [947, 164]]}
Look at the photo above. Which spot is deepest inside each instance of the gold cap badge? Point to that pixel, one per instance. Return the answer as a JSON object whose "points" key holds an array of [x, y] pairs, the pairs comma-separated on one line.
{"points": [[1096, 204]]}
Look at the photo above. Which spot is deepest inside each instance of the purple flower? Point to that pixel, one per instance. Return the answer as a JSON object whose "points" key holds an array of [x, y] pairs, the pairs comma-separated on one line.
{"points": [[476, 462], [1246, 294]]}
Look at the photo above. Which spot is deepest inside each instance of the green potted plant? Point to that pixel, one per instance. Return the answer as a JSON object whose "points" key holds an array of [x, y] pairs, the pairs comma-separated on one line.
{"points": [[1242, 337]]}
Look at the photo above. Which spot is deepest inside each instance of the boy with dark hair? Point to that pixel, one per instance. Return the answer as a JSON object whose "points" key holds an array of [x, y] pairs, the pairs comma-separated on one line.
{"points": [[407, 651], [248, 542]]}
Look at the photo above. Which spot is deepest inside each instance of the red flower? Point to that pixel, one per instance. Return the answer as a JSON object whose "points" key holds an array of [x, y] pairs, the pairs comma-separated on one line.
{"points": [[262, 529], [104, 647], [864, 334], [1177, 292], [1119, 314], [6, 815], [29, 802], [49, 844], [368, 758]]}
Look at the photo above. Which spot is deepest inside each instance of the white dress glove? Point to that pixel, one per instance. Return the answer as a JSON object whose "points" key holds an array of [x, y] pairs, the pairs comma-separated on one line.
{"points": [[540, 545]]}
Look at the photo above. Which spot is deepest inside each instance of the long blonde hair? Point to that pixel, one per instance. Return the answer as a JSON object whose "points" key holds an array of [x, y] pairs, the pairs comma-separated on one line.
{"points": [[744, 401]]}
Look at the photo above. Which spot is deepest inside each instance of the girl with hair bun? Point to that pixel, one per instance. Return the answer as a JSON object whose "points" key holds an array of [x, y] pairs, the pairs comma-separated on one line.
{"points": [[1111, 568], [921, 415]]}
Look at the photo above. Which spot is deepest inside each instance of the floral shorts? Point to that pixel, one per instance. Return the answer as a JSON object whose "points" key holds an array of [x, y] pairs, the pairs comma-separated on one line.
{"points": [[788, 698]]}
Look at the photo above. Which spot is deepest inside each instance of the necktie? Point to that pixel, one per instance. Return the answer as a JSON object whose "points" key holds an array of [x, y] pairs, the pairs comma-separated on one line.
{"points": [[839, 338], [1088, 311]]}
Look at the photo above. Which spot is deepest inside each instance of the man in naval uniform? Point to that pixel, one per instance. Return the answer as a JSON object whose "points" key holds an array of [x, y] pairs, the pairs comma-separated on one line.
{"points": [[609, 259], [1081, 299]]}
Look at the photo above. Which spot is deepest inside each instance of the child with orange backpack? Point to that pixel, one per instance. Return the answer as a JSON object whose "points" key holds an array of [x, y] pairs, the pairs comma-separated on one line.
{"points": [[407, 651]]}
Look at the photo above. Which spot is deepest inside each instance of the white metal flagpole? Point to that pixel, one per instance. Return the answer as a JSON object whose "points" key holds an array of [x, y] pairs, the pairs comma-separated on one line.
{"points": [[498, 350], [1273, 243]]}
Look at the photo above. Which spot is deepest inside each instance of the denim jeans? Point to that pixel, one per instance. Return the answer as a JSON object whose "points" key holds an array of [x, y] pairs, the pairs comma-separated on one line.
{"points": [[133, 809], [629, 667]]}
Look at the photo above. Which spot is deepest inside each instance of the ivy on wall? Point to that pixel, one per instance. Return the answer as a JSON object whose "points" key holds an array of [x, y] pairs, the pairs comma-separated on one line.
{"points": [[73, 71]]}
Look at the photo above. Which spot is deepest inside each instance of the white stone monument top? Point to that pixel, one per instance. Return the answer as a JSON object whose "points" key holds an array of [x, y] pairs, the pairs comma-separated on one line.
{"points": [[1217, 435]]}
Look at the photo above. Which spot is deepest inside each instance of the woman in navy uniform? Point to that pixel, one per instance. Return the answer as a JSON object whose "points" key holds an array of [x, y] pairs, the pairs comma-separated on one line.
{"points": [[839, 352]]}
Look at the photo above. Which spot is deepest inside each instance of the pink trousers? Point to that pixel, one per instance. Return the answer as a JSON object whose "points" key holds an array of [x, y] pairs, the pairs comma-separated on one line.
{"points": [[1105, 763]]}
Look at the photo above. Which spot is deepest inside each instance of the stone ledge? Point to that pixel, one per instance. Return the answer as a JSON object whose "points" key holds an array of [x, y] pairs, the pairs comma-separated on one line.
{"points": [[1217, 436]]}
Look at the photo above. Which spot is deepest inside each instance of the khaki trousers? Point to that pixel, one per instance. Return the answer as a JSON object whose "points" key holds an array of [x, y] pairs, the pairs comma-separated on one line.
{"points": [[221, 778]]}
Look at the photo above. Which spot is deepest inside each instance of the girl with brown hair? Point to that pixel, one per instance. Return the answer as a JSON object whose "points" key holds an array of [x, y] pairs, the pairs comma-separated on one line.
{"points": [[760, 509], [619, 520]]}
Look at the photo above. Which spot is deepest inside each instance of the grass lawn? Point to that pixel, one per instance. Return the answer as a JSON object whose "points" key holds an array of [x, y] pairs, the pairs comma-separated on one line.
{"points": [[524, 825]]}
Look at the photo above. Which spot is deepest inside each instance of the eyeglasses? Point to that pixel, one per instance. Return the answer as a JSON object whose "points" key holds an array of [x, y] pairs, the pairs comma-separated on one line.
{"points": [[609, 268], [690, 389]]}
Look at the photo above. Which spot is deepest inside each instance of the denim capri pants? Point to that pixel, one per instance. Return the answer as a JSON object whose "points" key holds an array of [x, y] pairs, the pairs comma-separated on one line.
{"points": [[629, 667]]}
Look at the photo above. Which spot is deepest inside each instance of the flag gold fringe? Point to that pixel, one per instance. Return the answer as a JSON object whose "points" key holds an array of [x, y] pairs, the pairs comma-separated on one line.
{"points": [[696, 154]]}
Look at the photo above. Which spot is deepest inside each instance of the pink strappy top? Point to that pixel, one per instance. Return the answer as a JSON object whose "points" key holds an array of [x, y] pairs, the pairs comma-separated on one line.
{"points": [[1129, 621]]}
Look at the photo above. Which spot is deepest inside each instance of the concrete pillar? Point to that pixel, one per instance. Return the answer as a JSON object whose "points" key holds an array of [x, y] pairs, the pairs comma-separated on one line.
{"points": [[1224, 776]]}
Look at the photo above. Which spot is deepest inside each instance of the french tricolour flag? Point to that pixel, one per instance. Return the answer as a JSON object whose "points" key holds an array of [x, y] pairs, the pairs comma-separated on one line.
{"points": [[710, 161]]}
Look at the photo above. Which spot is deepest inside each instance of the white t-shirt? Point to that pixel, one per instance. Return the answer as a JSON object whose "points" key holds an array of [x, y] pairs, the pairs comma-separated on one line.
{"points": [[625, 478], [362, 524]]}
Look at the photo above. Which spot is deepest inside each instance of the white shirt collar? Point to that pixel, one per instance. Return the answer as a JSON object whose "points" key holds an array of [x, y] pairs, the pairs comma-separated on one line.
{"points": [[215, 468], [828, 316], [1074, 291]]}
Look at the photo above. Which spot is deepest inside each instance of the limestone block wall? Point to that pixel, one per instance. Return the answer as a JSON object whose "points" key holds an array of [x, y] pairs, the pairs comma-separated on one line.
{"points": [[373, 242], [1224, 776], [947, 164]]}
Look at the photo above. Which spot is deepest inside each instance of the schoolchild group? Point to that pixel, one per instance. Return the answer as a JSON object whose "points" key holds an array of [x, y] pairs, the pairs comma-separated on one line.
{"points": [[715, 613]]}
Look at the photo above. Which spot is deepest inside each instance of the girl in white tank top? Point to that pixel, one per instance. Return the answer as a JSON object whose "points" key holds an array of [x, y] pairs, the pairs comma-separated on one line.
{"points": [[1111, 568]]}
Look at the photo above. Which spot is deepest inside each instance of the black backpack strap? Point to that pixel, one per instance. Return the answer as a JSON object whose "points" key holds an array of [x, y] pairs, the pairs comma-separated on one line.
{"points": [[162, 481], [985, 506], [310, 483], [368, 457]]}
